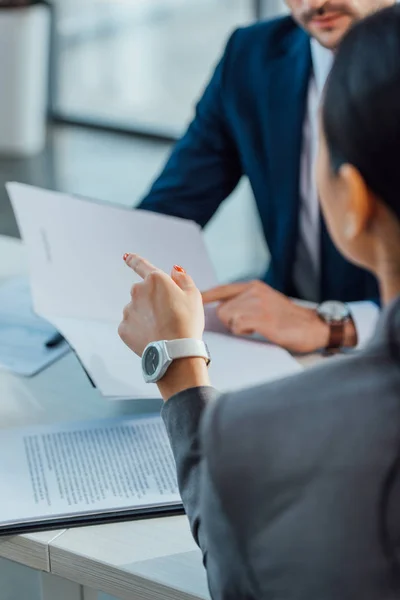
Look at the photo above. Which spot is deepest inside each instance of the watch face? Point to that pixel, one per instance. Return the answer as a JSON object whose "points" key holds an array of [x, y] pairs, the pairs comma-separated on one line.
{"points": [[151, 360], [333, 311]]}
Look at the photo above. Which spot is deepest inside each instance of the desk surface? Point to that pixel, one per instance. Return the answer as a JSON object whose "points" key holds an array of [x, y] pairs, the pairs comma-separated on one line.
{"points": [[157, 558]]}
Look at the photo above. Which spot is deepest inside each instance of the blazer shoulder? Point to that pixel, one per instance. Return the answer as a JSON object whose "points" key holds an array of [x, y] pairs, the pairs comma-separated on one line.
{"points": [[273, 37]]}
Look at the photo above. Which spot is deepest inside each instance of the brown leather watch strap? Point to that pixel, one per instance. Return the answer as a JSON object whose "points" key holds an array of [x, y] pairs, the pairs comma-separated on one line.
{"points": [[336, 335]]}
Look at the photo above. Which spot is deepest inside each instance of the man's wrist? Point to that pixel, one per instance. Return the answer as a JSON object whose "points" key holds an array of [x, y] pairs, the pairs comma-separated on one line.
{"points": [[321, 332], [183, 374]]}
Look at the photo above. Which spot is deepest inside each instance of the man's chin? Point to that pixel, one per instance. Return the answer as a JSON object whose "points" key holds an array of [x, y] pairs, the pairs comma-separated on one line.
{"points": [[329, 38]]}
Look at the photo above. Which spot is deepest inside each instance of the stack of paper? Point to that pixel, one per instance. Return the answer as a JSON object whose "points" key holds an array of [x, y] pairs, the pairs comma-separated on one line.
{"points": [[81, 284]]}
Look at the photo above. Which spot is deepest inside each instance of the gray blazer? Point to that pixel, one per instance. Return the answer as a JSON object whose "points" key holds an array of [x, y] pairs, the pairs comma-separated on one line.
{"points": [[293, 489]]}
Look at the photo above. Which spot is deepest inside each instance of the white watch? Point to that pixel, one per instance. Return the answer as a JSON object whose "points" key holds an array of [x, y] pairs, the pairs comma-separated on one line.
{"points": [[158, 356]]}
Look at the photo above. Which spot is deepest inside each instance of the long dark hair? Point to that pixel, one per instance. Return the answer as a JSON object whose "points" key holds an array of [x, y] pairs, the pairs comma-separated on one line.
{"points": [[361, 120], [361, 110]]}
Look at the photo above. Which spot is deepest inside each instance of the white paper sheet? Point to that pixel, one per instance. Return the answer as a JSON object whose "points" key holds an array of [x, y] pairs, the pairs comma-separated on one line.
{"points": [[80, 284], [76, 248], [85, 468]]}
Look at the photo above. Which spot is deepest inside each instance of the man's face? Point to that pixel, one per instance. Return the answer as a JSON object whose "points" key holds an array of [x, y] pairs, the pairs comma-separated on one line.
{"points": [[329, 20]]}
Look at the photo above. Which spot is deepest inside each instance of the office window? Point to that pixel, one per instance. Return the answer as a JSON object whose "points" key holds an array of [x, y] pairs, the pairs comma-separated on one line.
{"points": [[131, 63]]}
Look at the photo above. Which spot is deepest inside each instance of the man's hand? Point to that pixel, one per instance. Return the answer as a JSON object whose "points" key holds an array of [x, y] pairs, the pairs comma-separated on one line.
{"points": [[247, 308]]}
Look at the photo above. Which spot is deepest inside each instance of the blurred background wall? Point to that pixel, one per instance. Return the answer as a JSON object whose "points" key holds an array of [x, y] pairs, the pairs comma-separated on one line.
{"points": [[142, 62]]}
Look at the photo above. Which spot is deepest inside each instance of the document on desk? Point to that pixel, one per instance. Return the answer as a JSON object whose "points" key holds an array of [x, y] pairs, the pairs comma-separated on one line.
{"points": [[85, 473], [23, 335], [81, 284]]}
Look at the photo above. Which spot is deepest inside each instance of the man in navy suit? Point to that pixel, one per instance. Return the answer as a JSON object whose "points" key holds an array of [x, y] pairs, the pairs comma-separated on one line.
{"points": [[259, 117]]}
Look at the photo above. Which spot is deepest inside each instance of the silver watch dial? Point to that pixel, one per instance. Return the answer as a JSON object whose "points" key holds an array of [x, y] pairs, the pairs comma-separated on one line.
{"points": [[333, 312], [151, 360]]}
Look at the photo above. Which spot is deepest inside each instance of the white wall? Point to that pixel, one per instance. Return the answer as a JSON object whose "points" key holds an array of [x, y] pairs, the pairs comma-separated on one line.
{"points": [[272, 8]]}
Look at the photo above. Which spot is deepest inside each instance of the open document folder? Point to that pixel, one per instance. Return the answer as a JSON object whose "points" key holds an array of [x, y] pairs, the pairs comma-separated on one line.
{"points": [[81, 284], [84, 473]]}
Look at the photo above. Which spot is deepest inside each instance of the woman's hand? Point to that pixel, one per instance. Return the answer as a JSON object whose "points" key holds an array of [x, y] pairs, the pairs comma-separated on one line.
{"points": [[164, 307]]}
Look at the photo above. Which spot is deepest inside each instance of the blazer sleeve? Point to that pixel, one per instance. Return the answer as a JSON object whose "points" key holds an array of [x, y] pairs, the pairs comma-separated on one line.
{"points": [[204, 166], [212, 531]]}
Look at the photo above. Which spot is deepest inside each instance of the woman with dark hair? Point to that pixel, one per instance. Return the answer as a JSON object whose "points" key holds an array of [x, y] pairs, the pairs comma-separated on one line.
{"points": [[293, 489]]}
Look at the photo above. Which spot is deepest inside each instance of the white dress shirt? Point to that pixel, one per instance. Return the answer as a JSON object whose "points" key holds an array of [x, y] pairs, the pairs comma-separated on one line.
{"points": [[307, 263]]}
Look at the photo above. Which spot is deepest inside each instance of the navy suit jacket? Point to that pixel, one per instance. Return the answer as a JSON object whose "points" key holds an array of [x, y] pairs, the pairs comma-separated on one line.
{"points": [[249, 121]]}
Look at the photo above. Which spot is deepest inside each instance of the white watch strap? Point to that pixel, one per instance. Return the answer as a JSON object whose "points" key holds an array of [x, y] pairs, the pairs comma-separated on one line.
{"points": [[187, 348]]}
